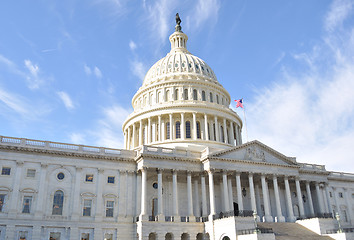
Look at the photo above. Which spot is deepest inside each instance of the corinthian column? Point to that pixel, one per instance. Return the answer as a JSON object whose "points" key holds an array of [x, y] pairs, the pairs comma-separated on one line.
{"points": [[175, 196], [299, 198], [159, 196], [211, 195], [280, 217], [225, 191], [267, 215], [206, 130], [239, 191], [291, 217]]}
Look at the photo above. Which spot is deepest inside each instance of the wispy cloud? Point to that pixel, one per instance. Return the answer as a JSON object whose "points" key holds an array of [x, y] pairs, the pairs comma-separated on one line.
{"points": [[65, 98], [340, 9], [204, 11], [33, 79], [95, 71], [77, 138], [132, 45], [310, 114], [14, 102], [138, 69]]}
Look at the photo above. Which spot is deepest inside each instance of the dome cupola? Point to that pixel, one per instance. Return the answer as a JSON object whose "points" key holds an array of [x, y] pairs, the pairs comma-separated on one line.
{"points": [[181, 104]]}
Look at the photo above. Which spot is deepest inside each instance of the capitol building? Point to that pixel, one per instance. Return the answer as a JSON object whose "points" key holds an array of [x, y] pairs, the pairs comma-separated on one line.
{"points": [[184, 173]]}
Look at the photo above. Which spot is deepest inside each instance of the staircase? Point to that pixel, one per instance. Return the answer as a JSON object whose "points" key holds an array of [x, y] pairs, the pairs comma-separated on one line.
{"points": [[292, 231]]}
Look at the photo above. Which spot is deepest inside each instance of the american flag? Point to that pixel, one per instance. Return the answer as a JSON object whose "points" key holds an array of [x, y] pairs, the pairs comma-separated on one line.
{"points": [[239, 103]]}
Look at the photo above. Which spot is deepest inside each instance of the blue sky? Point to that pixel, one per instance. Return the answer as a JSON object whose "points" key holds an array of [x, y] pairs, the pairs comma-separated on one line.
{"points": [[68, 69]]}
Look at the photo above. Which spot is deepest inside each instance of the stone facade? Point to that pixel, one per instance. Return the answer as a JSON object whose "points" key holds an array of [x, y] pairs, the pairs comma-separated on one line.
{"points": [[184, 172]]}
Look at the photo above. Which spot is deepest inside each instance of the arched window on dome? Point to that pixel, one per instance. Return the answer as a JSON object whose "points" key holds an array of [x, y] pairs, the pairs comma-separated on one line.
{"points": [[222, 134], [158, 100], [203, 96], [198, 130], [188, 129], [58, 201], [168, 130], [211, 97], [176, 94], [178, 129], [217, 99], [222, 101], [195, 95], [209, 131], [186, 94]]}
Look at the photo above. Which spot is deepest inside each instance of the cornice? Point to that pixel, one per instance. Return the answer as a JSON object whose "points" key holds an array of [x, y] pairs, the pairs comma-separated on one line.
{"points": [[64, 153], [166, 157]]}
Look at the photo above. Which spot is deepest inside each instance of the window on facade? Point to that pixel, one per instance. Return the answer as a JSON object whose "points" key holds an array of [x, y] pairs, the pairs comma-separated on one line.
{"points": [[176, 94], [27, 202], [109, 208], [89, 178], [195, 94], [167, 95], [23, 235], [167, 130], [222, 101], [217, 99], [5, 171], [340, 194], [198, 130], [208, 131], [108, 236], [31, 173], [158, 97], [178, 129], [203, 96], [330, 194], [87, 208], [211, 97], [85, 236], [2, 202], [185, 94], [58, 201], [344, 216], [110, 179], [54, 236], [188, 129]]}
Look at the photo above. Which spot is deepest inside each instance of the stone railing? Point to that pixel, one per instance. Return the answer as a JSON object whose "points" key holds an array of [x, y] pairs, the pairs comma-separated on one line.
{"points": [[341, 175], [67, 147], [317, 215], [236, 213], [313, 167], [343, 230], [254, 231], [168, 151]]}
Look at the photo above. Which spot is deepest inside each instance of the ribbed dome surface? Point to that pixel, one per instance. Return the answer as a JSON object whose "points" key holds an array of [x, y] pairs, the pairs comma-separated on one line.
{"points": [[178, 62]]}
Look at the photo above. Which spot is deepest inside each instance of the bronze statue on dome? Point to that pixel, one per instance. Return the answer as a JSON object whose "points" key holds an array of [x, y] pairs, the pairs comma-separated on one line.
{"points": [[178, 22]]}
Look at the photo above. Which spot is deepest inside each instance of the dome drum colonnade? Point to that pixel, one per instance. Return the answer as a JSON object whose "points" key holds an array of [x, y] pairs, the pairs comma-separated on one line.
{"points": [[205, 206], [181, 102]]}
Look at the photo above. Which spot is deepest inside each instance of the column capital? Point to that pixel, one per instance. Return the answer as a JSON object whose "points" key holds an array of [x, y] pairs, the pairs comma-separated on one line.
{"points": [[189, 172], [19, 163], [211, 170], [159, 170], [100, 170], [238, 173], [174, 171], [143, 169], [44, 165]]}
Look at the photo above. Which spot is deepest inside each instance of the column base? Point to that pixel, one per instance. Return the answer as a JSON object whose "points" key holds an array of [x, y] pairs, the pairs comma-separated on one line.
{"points": [[161, 218], [268, 218], [177, 218], [279, 219], [191, 218], [143, 217], [210, 217], [292, 219]]}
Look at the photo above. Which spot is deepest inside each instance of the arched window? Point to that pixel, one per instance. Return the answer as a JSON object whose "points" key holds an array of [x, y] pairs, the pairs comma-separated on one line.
{"points": [[188, 129], [178, 129], [211, 97], [209, 131], [214, 130], [195, 94], [58, 201], [185, 94], [158, 97], [203, 96], [176, 94], [198, 130], [217, 99], [168, 130]]}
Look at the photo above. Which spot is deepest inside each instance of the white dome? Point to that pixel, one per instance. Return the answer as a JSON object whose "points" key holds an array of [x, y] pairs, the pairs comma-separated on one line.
{"points": [[181, 104]]}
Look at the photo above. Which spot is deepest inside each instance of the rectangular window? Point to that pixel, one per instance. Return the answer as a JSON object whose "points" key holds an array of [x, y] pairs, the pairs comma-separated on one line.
{"points": [[109, 208], [22, 235], [54, 236], [89, 178], [27, 202], [340, 194], [2, 201], [87, 208], [5, 171], [85, 236], [110, 179], [31, 173], [167, 130]]}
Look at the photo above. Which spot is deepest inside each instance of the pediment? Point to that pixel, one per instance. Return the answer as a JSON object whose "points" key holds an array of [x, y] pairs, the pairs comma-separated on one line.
{"points": [[254, 151]]}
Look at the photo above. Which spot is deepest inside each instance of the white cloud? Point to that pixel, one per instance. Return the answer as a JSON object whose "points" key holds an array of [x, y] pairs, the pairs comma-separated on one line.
{"points": [[340, 10], [14, 102], [132, 45], [33, 79], [87, 70], [310, 115], [204, 11], [97, 72], [109, 132], [138, 69], [77, 138], [66, 100]]}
